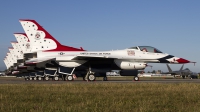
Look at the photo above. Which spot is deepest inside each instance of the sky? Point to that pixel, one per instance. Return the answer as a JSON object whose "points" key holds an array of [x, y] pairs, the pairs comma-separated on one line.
{"points": [[172, 26]]}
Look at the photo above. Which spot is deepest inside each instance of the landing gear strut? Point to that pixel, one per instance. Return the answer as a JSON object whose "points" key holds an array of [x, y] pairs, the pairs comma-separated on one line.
{"points": [[105, 79], [183, 76]]}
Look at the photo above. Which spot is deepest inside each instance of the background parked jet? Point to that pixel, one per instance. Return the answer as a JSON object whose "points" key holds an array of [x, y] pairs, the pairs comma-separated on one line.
{"points": [[183, 72]]}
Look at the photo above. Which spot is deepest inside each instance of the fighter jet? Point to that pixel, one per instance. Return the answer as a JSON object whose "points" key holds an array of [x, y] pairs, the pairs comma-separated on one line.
{"points": [[45, 48], [183, 72], [133, 58]]}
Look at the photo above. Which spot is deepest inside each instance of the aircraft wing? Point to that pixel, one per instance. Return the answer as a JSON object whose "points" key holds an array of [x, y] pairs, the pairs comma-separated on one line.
{"points": [[38, 60], [83, 57]]}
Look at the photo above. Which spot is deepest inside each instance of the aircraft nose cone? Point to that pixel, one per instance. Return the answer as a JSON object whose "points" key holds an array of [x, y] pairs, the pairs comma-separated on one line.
{"points": [[181, 60]]}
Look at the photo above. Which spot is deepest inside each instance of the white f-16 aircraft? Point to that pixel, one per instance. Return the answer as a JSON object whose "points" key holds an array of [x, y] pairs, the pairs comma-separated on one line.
{"points": [[133, 58]]}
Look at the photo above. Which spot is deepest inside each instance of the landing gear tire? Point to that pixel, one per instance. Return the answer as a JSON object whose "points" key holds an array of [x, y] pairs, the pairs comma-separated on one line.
{"points": [[56, 78], [136, 78], [35, 78], [91, 77], [183, 77], [70, 78], [46, 78], [39, 78], [105, 79]]}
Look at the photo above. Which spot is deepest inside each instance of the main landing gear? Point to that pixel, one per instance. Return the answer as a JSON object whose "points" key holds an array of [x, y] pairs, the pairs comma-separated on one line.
{"points": [[56, 78], [39, 78], [68, 78], [46, 78], [90, 76]]}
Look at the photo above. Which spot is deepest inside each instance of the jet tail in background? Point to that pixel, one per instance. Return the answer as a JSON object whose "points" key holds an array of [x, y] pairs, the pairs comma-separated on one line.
{"points": [[181, 68], [169, 69], [24, 42]]}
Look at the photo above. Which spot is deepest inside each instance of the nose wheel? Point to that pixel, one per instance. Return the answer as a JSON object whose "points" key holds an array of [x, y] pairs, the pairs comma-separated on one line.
{"points": [[136, 78]]}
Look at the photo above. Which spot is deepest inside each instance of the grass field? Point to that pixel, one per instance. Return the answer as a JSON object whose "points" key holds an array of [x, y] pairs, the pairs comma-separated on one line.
{"points": [[100, 97]]}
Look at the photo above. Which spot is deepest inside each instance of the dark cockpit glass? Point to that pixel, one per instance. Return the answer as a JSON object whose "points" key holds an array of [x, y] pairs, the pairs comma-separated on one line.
{"points": [[149, 49], [133, 48]]}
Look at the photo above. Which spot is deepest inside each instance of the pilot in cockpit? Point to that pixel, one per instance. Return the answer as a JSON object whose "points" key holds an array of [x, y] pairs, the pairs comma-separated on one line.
{"points": [[144, 50], [154, 50]]}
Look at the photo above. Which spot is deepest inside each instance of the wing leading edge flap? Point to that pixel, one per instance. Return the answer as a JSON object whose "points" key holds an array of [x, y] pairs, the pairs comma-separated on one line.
{"points": [[38, 60]]}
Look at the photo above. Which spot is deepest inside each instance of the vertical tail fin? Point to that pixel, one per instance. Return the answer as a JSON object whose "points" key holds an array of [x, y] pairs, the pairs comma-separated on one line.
{"points": [[41, 39], [181, 68], [23, 42], [12, 55], [5, 61], [10, 59], [17, 52], [169, 69]]}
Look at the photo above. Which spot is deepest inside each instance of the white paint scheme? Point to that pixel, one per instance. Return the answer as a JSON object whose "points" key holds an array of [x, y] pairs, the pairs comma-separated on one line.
{"points": [[23, 41], [17, 51], [37, 37], [117, 54], [12, 55], [75, 63], [121, 57], [10, 59], [6, 63], [127, 65]]}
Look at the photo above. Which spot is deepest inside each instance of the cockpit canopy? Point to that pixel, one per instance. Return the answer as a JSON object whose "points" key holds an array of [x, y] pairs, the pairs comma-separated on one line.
{"points": [[146, 49]]}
